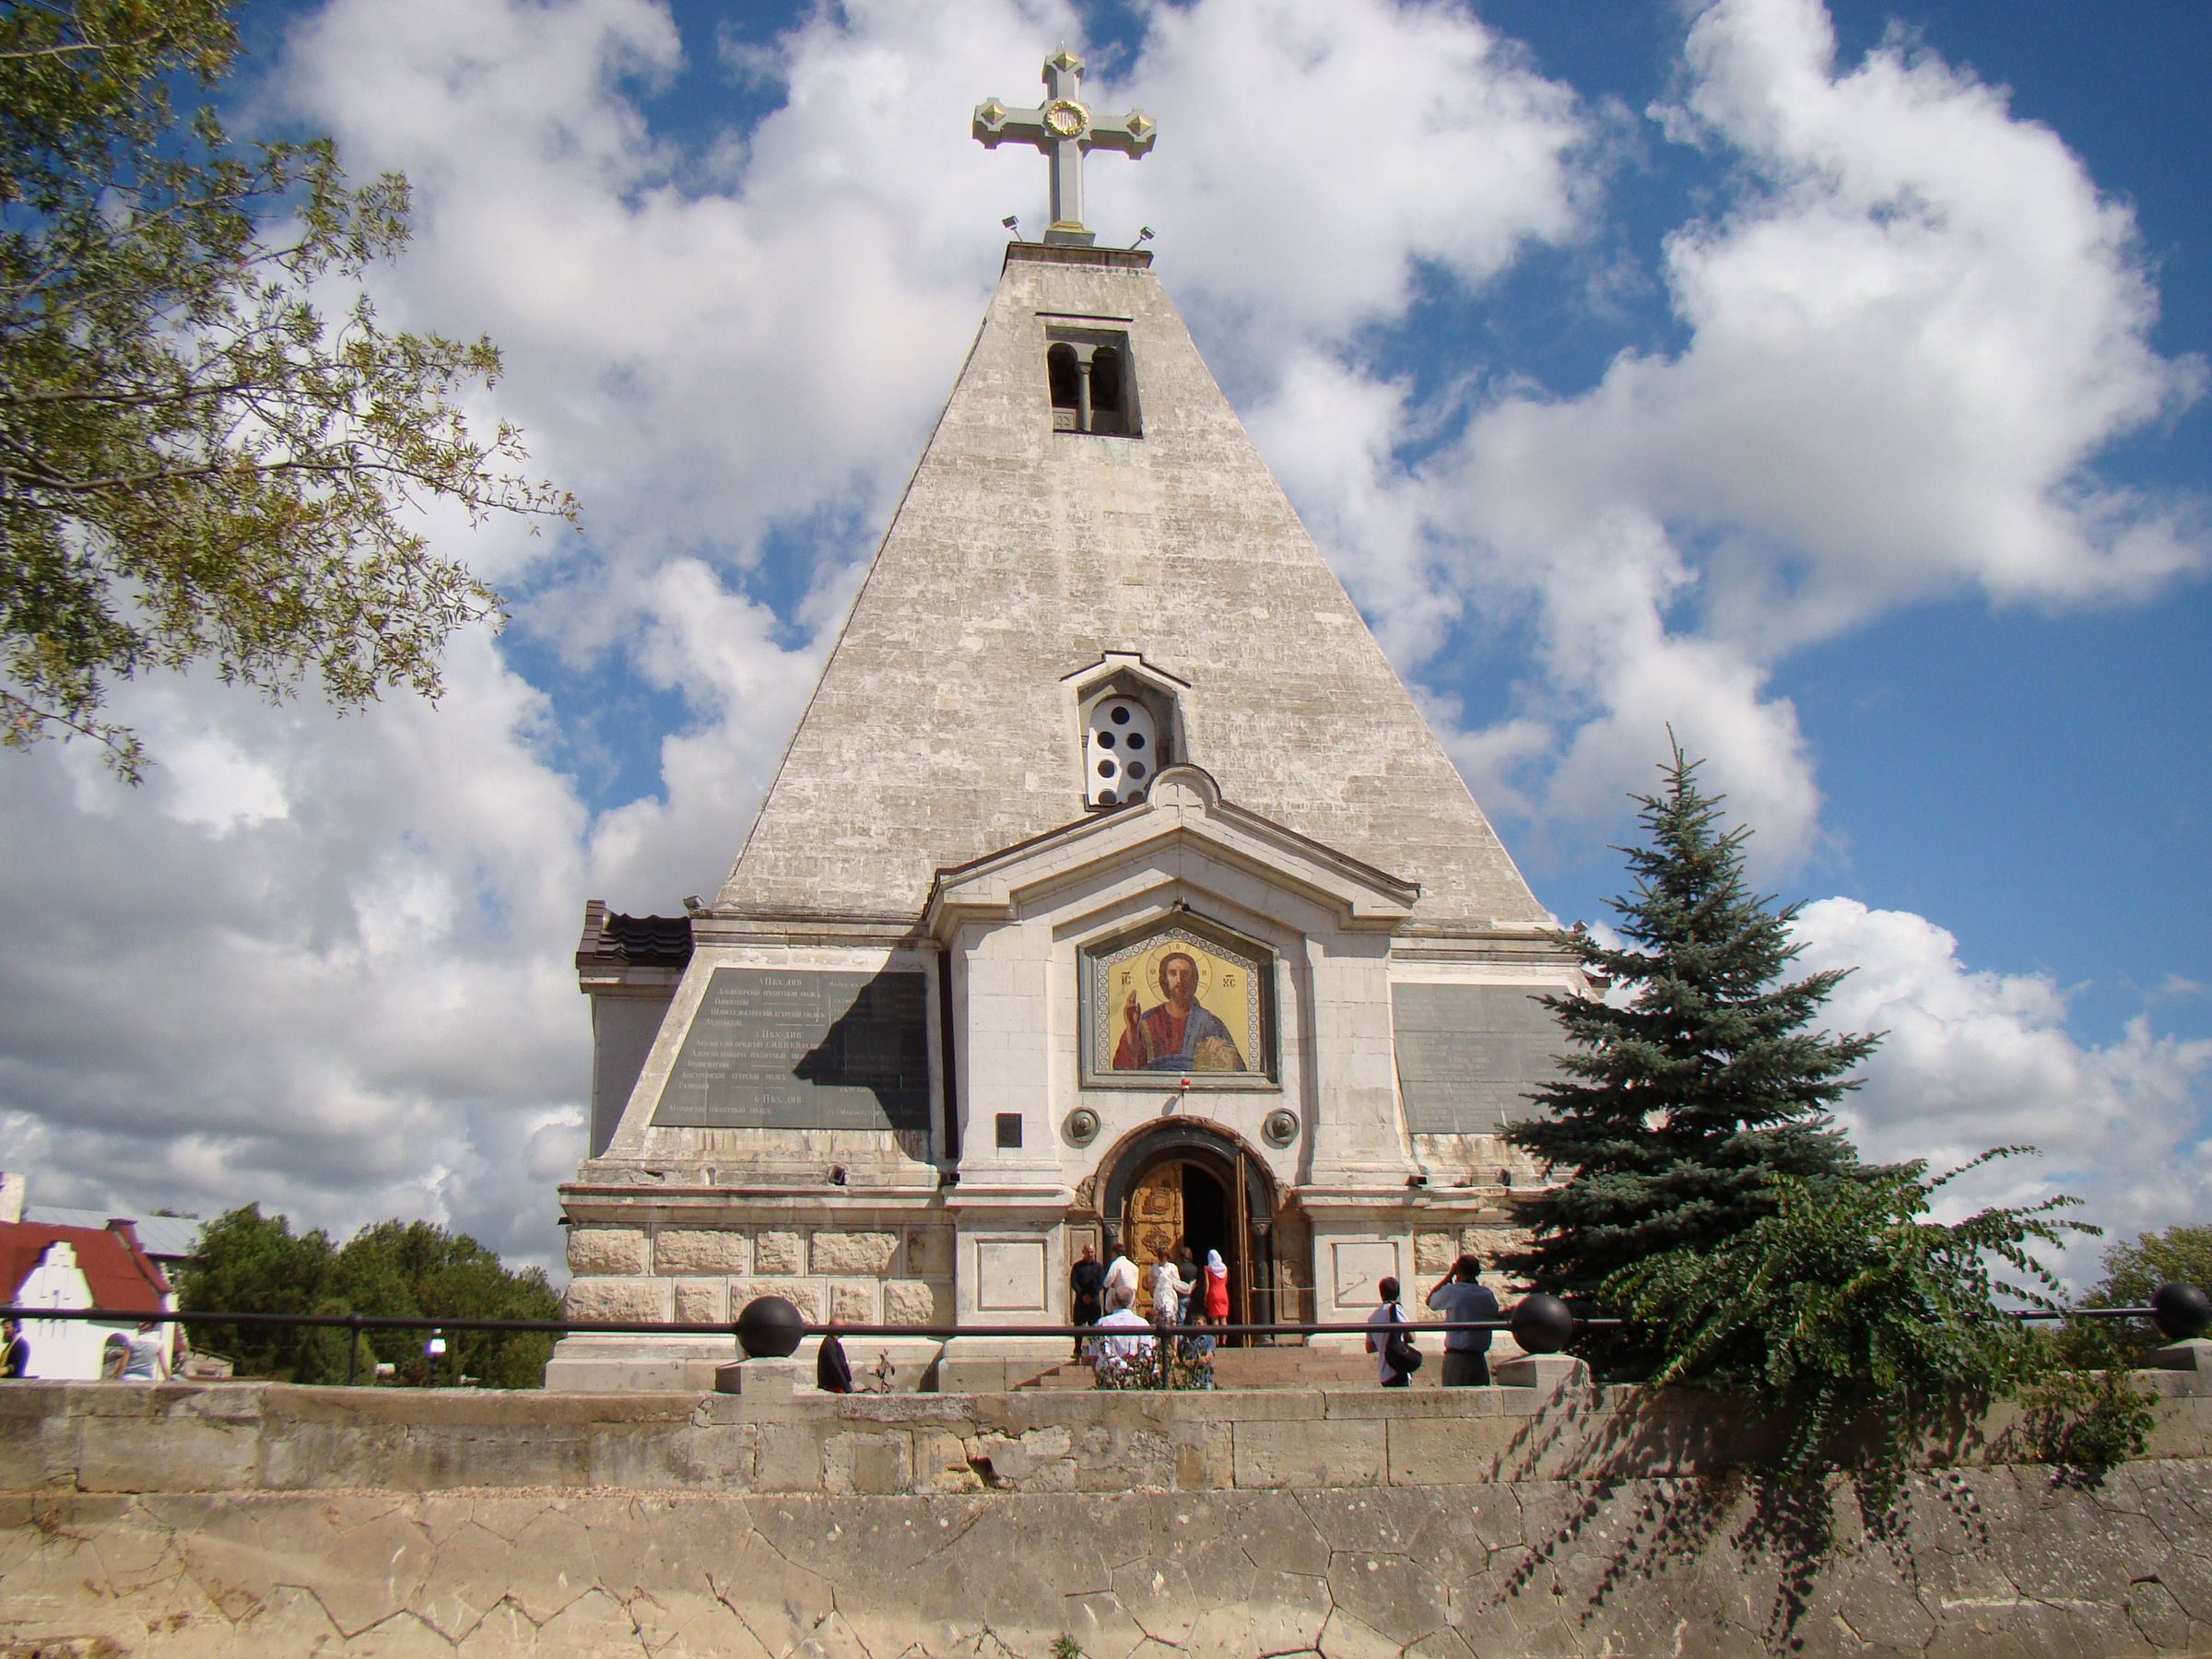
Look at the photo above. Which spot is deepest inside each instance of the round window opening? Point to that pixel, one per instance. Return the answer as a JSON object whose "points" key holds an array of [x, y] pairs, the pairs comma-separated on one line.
{"points": [[1105, 797], [1136, 769], [1137, 739], [1106, 769], [1121, 716], [1106, 741]]}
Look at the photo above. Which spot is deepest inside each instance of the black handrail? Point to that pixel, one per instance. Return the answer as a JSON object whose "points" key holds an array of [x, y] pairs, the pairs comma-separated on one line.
{"points": [[358, 1322]]}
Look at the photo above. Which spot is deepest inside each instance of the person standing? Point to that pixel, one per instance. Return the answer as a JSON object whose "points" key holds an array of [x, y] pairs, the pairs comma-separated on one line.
{"points": [[1462, 1295], [832, 1370], [1217, 1289], [1121, 1274], [1168, 1290], [15, 1350], [1390, 1321], [142, 1354], [1186, 1270], [1087, 1285]]}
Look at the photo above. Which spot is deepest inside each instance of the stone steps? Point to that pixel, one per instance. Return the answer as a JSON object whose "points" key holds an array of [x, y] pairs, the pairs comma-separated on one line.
{"points": [[1260, 1368]]}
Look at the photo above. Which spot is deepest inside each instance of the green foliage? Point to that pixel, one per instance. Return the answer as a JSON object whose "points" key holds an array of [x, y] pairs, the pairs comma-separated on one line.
{"points": [[1681, 1107], [249, 1263], [2087, 1418], [196, 463], [1848, 1315], [2180, 1255]]}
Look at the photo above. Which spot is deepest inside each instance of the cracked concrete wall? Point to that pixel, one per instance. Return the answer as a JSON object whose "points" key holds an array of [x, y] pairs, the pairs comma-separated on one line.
{"points": [[2010, 1562]]}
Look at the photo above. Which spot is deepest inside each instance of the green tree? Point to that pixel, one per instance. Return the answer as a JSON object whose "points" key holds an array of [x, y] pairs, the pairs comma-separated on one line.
{"points": [[415, 1267], [196, 463], [249, 1263], [2180, 1255], [1681, 1105]]}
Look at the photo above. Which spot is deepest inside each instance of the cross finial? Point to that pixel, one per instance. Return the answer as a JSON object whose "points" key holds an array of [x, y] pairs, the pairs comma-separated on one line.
{"points": [[1063, 128]]}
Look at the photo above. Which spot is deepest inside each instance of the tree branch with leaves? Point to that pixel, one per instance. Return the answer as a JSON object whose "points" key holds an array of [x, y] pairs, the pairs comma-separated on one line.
{"points": [[197, 463]]}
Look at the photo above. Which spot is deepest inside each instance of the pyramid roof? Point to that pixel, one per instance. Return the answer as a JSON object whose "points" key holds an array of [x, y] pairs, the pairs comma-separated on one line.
{"points": [[943, 728]]}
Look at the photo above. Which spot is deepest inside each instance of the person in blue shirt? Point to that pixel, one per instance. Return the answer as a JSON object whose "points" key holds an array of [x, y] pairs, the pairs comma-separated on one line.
{"points": [[1462, 1295]]}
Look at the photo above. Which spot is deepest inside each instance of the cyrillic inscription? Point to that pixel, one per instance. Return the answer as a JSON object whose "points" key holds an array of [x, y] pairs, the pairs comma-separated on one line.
{"points": [[783, 1049]]}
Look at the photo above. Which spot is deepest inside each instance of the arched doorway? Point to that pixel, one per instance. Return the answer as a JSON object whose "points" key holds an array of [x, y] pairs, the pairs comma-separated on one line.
{"points": [[1191, 1185]]}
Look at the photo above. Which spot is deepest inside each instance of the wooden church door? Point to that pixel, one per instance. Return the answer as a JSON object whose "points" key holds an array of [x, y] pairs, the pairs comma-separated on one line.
{"points": [[1155, 1225]]}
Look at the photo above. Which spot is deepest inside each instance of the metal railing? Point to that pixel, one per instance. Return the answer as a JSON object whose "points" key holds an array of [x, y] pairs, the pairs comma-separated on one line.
{"points": [[356, 1323]]}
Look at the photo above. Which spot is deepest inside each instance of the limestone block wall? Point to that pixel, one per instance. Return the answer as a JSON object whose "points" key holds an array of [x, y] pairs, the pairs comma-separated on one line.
{"points": [[860, 1273], [252, 1520]]}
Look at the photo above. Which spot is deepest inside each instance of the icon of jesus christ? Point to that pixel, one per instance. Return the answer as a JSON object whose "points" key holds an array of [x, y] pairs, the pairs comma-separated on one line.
{"points": [[1176, 1035]]}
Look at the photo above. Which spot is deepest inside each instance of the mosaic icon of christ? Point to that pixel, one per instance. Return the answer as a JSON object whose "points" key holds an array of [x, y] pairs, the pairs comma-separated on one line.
{"points": [[1175, 1035]]}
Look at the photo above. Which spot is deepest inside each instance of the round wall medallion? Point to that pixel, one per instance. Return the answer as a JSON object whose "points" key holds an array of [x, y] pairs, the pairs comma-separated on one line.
{"points": [[1280, 1128], [1082, 1125], [1066, 117]]}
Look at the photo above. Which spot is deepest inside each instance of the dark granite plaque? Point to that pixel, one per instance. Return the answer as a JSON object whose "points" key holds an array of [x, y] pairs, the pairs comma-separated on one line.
{"points": [[1469, 1054], [798, 1048]]}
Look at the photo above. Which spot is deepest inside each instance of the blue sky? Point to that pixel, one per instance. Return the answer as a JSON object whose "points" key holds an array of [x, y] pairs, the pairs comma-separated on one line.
{"points": [[1636, 365]]}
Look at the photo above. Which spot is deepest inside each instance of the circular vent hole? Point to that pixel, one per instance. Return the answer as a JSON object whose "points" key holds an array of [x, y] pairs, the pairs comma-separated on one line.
{"points": [[1137, 740], [1105, 797], [1121, 717], [1106, 769], [1106, 741], [1136, 769]]}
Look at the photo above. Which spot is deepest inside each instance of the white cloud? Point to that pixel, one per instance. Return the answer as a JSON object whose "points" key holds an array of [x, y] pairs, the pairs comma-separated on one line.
{"points": [[1976, 1060], [1910, 331]]}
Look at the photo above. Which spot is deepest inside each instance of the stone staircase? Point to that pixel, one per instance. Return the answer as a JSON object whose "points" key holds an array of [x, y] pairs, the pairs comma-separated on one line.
{"points": [[1267, 1368]]}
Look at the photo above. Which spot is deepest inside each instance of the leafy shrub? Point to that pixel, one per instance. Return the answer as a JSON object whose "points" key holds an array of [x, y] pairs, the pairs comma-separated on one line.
{"points": [[1850, 1315], [2086, 1418]]}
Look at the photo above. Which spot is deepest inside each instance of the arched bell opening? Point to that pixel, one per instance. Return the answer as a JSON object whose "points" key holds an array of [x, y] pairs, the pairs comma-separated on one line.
{"points": [[1192, 1185]]}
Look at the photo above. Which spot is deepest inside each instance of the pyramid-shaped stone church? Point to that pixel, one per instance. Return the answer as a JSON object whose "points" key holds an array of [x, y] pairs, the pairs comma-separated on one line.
{"points": [[1113, 890]]}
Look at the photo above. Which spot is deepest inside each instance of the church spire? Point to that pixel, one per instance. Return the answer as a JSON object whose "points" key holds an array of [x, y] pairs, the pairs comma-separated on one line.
{"points": [[1063, 128]]}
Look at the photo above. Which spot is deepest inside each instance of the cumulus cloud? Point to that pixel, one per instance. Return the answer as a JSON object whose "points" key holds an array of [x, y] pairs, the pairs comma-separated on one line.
{"points": [[1909, 332], [1974, 1059]]}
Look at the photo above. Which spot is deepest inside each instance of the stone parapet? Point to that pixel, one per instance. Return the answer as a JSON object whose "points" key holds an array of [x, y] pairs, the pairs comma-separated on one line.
{"points": [[270, 1437]]}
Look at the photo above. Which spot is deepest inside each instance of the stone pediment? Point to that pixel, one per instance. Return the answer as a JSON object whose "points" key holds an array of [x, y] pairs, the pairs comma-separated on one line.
{"points": [[1184, 810]]}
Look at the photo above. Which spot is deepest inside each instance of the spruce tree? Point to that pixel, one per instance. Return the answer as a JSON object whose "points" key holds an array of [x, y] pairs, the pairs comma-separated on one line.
{"points": [[1679, 1104]]}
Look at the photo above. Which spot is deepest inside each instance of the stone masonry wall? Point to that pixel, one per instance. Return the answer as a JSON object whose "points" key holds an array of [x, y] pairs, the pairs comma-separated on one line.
{"points": [[862, 1275], [255, 1519]]}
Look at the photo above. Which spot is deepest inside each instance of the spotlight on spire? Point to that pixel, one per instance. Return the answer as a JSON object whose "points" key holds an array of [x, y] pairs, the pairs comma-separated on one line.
{"points": [[1144, 235], [1012, 222]]}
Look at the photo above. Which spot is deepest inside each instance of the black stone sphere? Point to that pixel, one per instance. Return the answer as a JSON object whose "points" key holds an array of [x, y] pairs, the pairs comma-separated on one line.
{"points": [[2181, 1310], [1543, 1324], [770, 1328]]}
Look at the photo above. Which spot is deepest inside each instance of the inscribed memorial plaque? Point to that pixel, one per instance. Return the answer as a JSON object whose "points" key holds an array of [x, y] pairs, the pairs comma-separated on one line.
{"points": [[783, 1049], [1468, 1056]]}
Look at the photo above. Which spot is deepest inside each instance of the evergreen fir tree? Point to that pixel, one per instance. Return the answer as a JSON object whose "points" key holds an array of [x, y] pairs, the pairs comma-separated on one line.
{"points": [[1676, 1108]]}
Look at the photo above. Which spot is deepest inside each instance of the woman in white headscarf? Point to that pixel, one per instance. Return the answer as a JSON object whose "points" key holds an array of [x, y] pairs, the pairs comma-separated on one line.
{"points": [[1216, 1287]]}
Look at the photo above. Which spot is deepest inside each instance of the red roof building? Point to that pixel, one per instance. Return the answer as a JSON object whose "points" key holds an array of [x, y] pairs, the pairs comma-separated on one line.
{"points": [[121, 1276]]}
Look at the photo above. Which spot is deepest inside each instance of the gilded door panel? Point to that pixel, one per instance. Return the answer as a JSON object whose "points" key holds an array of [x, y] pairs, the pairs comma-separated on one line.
{"points": [[1155, 1223]]}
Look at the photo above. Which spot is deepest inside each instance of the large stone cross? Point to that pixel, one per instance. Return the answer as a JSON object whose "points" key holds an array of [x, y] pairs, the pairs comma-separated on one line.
{"points": [[1064, 129]]}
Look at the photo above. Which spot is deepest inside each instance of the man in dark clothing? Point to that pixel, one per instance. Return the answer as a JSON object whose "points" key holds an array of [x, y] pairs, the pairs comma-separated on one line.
{"points": [[831, 1373], [15, 1350], [1087, 1280], [1462, 1295]]}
